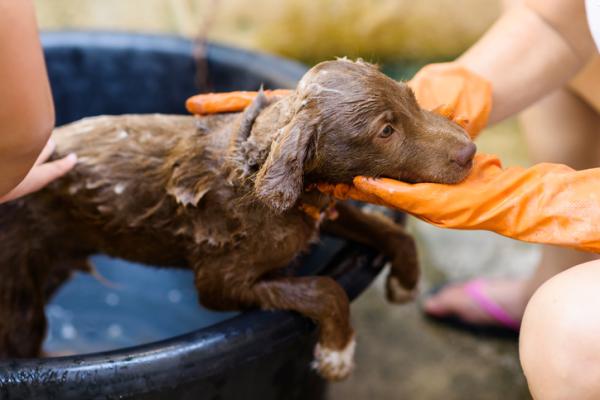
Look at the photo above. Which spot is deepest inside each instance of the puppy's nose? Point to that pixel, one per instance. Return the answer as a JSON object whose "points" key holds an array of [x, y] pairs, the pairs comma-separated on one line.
{"points": [[465, 155]]}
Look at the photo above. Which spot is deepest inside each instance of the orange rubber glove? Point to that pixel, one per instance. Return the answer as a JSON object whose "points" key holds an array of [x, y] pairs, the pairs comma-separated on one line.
{"points": [[215, 103], [448, 88], [547, 203], [455, 92]]}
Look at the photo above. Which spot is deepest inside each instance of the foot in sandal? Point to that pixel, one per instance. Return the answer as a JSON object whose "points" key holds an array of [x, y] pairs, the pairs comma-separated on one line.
{"points": [[498, 302]]}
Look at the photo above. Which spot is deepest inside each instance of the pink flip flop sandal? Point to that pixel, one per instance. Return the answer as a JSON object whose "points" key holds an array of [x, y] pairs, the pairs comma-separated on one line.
{"points": [[508, 326], [475, 291]]}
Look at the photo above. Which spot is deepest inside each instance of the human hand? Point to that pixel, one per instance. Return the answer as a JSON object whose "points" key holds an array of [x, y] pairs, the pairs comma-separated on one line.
{"points": [[547, 203], [455, 92], [42, 173], [215, 103], [448, 89]]}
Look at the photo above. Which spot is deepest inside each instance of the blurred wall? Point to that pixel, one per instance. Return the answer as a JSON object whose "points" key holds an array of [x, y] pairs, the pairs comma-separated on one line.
{"points": [[308, 30]]}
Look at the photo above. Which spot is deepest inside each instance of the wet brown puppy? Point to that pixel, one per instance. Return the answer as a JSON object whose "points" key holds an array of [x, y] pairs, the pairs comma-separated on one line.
{"points": [[223, 195]]}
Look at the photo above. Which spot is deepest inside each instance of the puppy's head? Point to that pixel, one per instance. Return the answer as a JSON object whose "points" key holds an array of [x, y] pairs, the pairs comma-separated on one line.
{"points": [[348, 119]]}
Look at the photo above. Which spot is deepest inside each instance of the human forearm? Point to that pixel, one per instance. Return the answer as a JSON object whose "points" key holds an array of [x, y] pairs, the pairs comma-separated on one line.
{"points": [[534, 48], [26, 109]]}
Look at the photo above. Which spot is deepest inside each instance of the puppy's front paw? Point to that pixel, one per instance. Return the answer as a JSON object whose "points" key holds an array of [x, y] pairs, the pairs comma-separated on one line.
{"points": [[334, 365], [396, 293]]}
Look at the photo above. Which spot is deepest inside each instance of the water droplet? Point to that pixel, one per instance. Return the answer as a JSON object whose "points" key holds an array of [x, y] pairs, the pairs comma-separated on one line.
{"points": [[68, 331], [114, 331], [112, 299], [119, 188], [55, 311], [174, 296]]}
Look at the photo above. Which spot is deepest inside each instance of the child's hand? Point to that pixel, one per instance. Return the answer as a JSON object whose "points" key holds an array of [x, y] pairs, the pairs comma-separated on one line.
{"points": [[42, 173]]}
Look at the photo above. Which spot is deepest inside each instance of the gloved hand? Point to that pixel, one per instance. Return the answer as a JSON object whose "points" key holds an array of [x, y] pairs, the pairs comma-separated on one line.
{"points": [[547, 203], [455, 92], [215, 103], [448, 88]]}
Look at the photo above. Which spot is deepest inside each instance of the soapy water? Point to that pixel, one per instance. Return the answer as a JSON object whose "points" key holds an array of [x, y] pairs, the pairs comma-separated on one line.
{"points": [[132, 305]]}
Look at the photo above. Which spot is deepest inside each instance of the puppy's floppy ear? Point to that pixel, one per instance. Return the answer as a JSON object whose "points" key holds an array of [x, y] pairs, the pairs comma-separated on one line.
{"points": [[280, 180]]}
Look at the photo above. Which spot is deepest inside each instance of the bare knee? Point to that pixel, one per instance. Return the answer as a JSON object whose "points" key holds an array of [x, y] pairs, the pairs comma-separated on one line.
{"points": [[559, 344]]}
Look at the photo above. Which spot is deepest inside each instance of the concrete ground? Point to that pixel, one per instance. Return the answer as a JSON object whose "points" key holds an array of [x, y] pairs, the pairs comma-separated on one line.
{"points": [[400, 355]]}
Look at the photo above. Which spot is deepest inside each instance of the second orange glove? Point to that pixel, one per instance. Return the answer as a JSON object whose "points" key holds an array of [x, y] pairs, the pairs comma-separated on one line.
{"points": [[547, 203], [455, 92], [447, 88]]}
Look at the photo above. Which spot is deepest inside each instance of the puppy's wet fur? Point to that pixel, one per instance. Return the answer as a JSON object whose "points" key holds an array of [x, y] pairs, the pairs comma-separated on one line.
{"points": [[220, 195]]}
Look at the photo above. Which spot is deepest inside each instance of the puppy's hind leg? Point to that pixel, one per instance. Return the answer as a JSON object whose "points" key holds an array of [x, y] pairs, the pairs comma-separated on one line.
{"points": [[22, 318], [29, 274]]}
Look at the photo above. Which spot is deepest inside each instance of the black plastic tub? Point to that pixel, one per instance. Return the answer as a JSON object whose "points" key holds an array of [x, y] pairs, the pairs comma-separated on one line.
{"points": [[253, 355]]}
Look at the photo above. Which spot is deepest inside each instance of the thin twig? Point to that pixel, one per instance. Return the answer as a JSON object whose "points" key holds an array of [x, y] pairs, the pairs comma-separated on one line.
{"points": [[201, 48]]}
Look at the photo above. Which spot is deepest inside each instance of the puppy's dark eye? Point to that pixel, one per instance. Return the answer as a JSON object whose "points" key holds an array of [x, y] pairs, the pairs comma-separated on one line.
{"points": [[387, 131]]}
